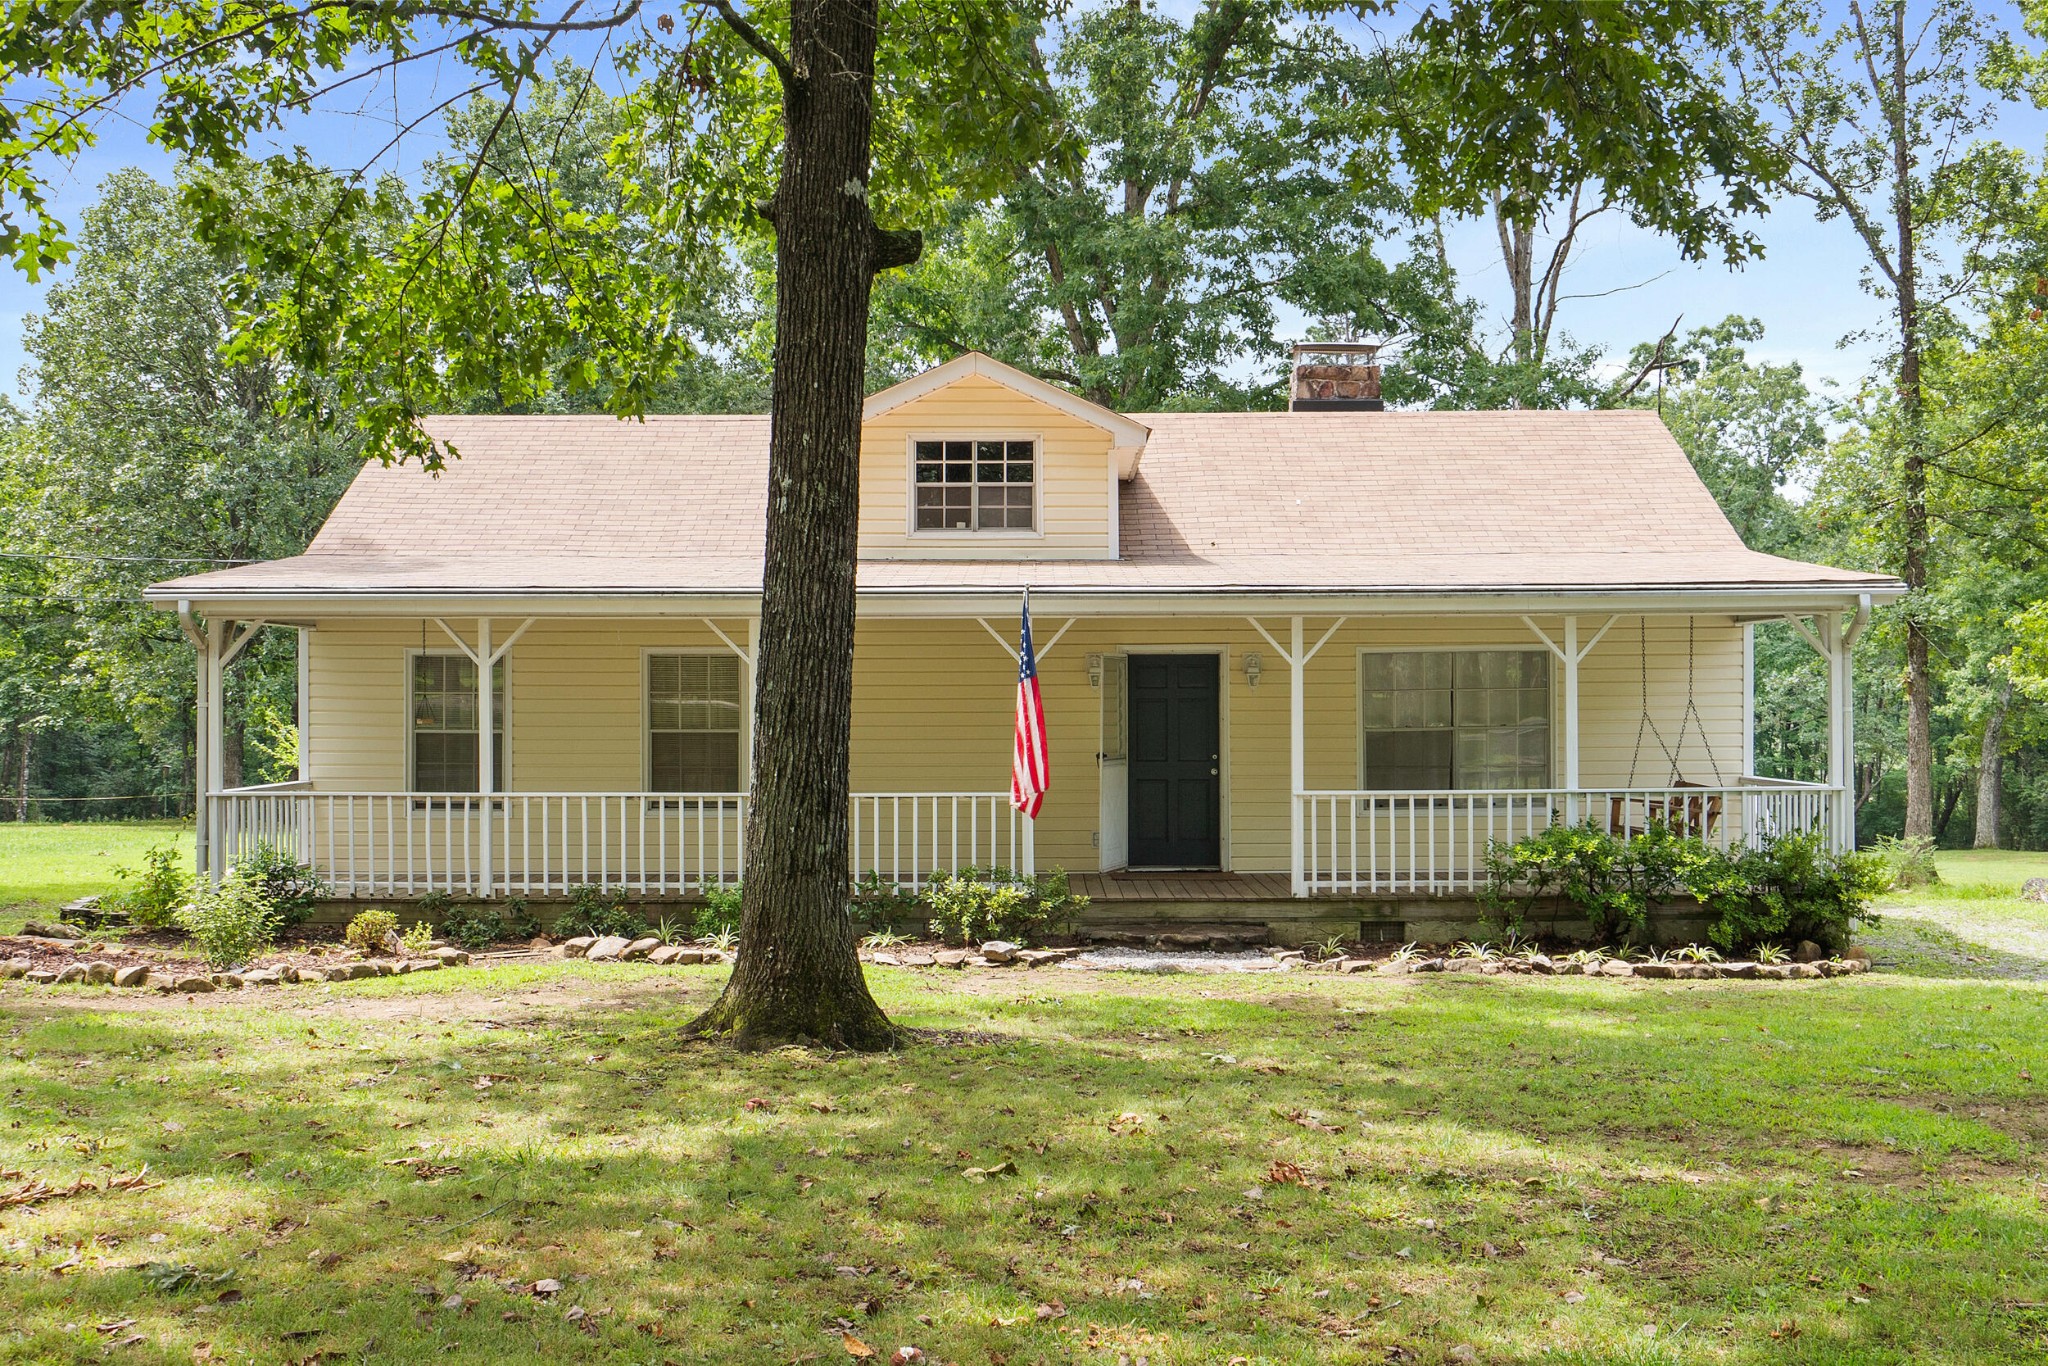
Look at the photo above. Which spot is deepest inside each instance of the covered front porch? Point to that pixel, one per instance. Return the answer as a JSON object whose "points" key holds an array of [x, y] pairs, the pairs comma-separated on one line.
{"points": [[1327, 756]]}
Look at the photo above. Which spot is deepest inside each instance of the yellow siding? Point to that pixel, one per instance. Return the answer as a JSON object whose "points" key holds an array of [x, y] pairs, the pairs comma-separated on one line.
{"points": [[932, 703], [1074, 477]]}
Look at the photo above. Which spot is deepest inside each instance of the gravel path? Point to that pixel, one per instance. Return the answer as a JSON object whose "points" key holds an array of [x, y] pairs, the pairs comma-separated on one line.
{"points": [[1173, 960]]}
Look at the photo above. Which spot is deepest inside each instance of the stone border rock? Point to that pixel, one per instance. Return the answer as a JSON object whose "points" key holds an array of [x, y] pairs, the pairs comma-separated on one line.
{"points": [[611, 949]]}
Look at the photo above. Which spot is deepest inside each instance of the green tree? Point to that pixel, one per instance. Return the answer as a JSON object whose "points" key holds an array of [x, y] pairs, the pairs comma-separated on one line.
{"points": [[149, 454], [1880, 117]]}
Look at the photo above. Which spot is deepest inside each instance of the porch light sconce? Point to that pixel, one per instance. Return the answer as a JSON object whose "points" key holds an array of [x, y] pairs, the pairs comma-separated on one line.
{"points": [[1095, 671], [1253, 667]]}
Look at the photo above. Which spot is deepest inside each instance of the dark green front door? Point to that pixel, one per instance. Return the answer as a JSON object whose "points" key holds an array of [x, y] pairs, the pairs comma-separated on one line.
{"points": [[1176, 790]]}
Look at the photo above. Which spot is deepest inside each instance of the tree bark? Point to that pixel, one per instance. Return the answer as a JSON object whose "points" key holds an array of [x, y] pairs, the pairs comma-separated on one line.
{"points": [[798, 978], [1991, 768], [1913, 499], [28, 745]]}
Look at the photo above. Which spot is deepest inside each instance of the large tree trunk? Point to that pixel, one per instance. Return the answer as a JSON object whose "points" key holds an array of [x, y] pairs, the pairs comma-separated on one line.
{"points": [[1991, 768], [26, 753], [1913, 501], [798, 978]]}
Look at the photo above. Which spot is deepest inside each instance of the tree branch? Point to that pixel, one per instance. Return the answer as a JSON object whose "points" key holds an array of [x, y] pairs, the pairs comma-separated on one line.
{"points": [[753, 38]]}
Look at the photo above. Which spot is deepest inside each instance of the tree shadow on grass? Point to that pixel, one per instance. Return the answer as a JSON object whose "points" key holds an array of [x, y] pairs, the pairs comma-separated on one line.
{"points": [[1204, 1168]]}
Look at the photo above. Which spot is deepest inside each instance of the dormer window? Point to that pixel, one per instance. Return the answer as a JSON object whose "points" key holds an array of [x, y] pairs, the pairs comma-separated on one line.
{"points": [[975, 485]]}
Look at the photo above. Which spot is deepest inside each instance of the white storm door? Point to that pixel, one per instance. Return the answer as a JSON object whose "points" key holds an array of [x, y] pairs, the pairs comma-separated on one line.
{"points": [[1113, 761]]}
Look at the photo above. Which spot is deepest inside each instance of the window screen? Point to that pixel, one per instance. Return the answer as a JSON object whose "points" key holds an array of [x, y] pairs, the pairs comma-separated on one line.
{"points": [[1469, 720], [444, 723], [975, 485], [693, 722]]}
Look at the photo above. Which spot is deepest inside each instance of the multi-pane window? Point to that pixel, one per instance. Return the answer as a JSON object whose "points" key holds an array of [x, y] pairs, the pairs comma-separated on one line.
{"points": [[444, 724], [975, 485], [1465, 719], [693, 722]]}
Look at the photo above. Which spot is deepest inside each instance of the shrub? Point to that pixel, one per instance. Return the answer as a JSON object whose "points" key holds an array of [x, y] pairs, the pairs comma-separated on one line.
{"points": [[367, 930], [1908, 861], [418, 939], [600, 911], [519, 920], [473, 926], [973, 905], [720, 913], [1785, 888], [231, 923], [1611, 881], [158, 888], [876, 901], [293, 888]]}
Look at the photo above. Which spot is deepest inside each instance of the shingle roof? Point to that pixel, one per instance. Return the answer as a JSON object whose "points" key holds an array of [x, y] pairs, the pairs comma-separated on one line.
{"points": [[1324, 502]]}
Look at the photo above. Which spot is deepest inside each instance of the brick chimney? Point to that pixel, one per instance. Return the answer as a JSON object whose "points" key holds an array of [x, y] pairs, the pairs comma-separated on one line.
{"points": [[1336, 377]]}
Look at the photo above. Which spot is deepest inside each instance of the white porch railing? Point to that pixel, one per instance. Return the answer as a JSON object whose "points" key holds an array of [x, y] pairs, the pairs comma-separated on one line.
{"points": [[368, 844], [1434, 843]]}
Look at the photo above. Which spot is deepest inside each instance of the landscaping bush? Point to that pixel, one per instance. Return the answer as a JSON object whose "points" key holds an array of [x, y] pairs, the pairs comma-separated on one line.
{"points": [[152, 894], [232, 923], [974, 905], [293, 888], [1782, 890], [519, 920], [600, 911], [418, 939], [720, 913], [1785, 888], [1908, 861], [876, 902], [367, 930], [473, 925], [1611, 881]]}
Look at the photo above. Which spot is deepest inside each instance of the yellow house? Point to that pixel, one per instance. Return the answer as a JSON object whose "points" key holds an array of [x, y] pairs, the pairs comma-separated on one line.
{"points": [[1297, 666]]}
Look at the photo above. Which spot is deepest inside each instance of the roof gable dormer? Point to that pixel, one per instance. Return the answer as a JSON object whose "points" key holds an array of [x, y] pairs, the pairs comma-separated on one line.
{"points": [[976, 460]]}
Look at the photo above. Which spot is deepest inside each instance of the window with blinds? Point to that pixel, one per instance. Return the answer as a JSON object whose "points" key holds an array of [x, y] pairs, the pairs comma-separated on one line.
{"points": [[694, 715], [444, 724]]}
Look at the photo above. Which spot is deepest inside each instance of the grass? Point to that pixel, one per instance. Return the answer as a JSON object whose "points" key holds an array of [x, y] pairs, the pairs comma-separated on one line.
{"points": [[44, 865], [1269, 1169]]}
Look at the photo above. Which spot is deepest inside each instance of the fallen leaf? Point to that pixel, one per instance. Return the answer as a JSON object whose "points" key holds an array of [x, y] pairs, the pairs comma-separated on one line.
{"points": [[1283, 1173], [855, 1347]]}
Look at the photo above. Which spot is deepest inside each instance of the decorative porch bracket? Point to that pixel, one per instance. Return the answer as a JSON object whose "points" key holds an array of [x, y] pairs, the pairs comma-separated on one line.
{"points": [[1040, 651], [746, 658], [219, 643], [1297, 657], [1835, 641], [486, 658], [1571, 654]]}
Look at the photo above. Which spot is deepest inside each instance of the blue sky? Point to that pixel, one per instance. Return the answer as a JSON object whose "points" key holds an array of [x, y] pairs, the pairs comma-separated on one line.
{"points": [[1807, 290]]}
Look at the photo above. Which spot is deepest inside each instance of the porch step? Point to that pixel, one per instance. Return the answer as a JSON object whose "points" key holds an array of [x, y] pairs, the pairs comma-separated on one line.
{"points": [[1179, 935]]}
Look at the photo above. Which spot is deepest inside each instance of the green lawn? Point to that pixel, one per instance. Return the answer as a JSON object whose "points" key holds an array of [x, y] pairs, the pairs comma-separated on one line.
{"points": [[1273, 1169], [44, 865]]}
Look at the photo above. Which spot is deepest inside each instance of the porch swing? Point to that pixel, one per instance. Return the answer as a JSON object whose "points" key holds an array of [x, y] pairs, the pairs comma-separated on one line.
{"points": [[1696, 816]]}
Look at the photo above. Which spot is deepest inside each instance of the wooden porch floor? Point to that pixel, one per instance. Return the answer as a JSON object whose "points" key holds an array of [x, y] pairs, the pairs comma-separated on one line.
{"points": [[1174, 886]]}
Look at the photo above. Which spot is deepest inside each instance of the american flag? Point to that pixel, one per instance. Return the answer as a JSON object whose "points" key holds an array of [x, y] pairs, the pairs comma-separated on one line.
{"points": [[1030, 761]]}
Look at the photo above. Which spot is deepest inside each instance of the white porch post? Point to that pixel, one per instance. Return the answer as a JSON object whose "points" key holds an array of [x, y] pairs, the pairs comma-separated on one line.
{"points": [[202, 742], [1837, 655], [1297, 765], [753, 684], [304, 715], [1571, 718], [486, 754], [213, 708]]}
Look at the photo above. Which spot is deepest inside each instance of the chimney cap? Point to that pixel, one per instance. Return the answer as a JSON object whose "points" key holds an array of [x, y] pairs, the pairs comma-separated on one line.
{"points": [[1368, 349]]}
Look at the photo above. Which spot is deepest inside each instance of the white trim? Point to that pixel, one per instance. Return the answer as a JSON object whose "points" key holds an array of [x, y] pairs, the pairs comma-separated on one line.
{"points": [[303, 719], [975, 535], [1749, 697], [1128, 437], [1222, 653], [745, 730], [503, 709], [1523, 647], [1115, 512]]}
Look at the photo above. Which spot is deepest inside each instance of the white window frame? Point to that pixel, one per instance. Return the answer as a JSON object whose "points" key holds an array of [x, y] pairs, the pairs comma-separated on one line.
{"points": [[1550, 687], [647, 656], [501, 711], [974, 535]]}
